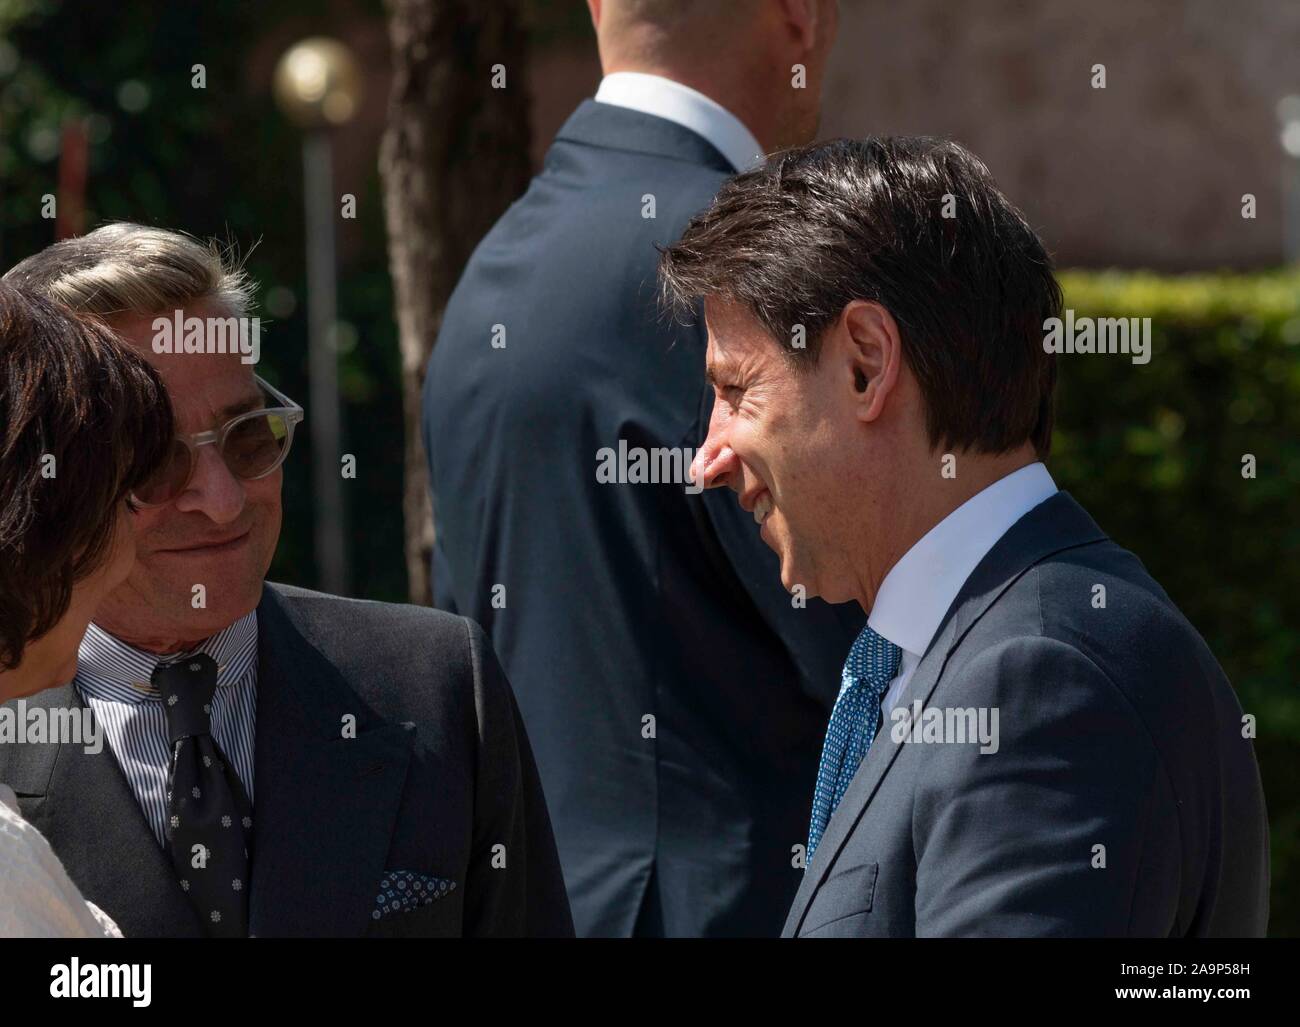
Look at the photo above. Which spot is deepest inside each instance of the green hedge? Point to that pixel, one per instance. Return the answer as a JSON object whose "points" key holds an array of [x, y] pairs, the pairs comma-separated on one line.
{"points": [[1155, 452]]}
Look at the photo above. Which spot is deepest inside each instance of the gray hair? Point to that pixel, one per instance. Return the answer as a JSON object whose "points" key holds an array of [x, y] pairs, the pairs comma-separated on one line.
{"points": [[129, 268]]}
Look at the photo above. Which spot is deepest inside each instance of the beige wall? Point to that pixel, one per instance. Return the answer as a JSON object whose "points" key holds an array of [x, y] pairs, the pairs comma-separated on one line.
{"points": [[1149, 170], [1146, 172]]}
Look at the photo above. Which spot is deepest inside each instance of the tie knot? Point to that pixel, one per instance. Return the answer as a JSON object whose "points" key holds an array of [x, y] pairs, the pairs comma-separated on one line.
{"points": [[186, 688], [873, 657]]}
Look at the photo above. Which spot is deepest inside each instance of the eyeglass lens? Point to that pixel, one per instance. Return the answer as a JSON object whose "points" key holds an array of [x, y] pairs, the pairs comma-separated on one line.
{"points": [[251, 448]]}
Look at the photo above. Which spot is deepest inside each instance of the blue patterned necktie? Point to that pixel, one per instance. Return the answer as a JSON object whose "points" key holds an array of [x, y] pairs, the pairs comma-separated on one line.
{"points": [[872, 664]]}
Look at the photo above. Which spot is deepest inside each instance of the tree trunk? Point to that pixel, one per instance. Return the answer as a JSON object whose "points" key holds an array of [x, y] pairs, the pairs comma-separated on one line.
{"points": [[454, 155]]}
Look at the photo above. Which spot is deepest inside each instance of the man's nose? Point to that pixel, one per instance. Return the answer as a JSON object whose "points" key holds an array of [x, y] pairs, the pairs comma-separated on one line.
{"points": [[213, 490], [715, 460]]}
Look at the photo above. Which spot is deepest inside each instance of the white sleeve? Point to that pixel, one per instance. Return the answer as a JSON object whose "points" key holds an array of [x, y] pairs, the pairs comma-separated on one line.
{"points": [[37, 899]]}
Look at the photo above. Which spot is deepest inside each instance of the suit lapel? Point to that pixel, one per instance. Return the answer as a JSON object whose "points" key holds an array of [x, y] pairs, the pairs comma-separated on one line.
{"points": [[325, 804], [880, 757], [91, 819], [1055, 525]]}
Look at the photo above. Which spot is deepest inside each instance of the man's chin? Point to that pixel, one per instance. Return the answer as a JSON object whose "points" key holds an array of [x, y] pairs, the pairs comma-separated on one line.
{"points": [[795, 575], [186, 615], [792, 578]]}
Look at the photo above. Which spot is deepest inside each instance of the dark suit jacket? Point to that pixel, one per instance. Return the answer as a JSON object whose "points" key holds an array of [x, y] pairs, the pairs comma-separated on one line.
{"points": [[623, 601], [438, 773], [1117, 730]]}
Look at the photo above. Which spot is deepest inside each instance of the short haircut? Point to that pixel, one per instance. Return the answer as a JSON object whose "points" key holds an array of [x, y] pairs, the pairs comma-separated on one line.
{"points": [[669, 14], [915, 224], [668, 30], [83, 420], [128, 268]]}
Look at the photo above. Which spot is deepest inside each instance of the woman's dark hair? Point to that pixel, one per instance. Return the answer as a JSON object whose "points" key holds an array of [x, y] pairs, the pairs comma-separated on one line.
{"points": [[83, 421]]}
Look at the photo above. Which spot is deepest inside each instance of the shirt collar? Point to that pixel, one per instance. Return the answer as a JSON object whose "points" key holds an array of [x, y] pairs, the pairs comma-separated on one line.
{"points": [[107, 667], [664, 98], [919, 589]]}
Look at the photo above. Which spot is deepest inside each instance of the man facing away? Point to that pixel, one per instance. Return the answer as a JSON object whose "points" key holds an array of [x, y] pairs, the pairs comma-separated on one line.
{"points": [[279, 762], [1030, 739], [674, 693]]}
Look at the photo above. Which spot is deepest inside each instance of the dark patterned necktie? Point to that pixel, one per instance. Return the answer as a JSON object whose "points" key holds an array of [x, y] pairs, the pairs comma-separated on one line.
{"points": [[209, 816]]}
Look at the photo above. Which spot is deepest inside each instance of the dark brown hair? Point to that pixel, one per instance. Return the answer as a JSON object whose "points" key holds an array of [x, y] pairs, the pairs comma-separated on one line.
{"points": [[77, 402], [796, 240]]}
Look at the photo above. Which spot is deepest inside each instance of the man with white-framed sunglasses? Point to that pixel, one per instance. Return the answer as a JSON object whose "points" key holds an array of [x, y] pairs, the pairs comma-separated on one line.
{"points": [[280, 762]]}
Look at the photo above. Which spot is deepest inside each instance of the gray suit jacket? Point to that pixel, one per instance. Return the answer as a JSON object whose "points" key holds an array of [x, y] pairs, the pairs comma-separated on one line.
{"points": [[1122, 799], [438, 774]]}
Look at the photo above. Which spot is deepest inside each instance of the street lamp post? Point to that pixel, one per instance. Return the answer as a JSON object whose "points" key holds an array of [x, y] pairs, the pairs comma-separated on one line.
{"points": [[318, 87], [1288, 116]]}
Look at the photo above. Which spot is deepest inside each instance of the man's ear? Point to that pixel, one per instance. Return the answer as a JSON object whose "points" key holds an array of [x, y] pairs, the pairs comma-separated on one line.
{"points": [[801, 20], [872, 355]]}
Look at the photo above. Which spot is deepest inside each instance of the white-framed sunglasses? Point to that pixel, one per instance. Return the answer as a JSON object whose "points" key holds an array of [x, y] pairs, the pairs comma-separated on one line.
{"points": [[252, 445]]}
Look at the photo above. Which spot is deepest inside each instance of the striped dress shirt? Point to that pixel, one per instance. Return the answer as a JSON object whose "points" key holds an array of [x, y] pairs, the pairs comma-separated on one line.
{"points": [[113, 680]]}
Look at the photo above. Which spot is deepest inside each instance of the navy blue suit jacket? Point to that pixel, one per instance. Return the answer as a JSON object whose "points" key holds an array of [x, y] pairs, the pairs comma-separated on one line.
{"points": [[675, 695], [1120, 796]]}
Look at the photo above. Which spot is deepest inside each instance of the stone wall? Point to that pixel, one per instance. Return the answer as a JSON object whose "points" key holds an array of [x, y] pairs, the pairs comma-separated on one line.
{"points": [[1149, 171]]}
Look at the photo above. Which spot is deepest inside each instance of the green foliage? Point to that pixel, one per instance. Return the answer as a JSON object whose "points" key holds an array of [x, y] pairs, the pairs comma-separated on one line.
{"points": [[216, 162], [1156, 452]]}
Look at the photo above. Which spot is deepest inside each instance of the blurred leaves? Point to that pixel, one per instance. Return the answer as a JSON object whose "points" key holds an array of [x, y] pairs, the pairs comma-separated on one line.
{"points": [[1155, 452]]}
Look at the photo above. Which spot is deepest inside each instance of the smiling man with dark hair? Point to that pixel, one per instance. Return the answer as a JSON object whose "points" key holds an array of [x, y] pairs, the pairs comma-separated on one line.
{"points": [[875, 313]]}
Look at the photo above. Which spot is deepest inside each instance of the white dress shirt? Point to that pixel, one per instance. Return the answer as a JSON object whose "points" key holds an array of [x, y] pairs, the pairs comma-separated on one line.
{"points": [[918, 590], [672, 101]]}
